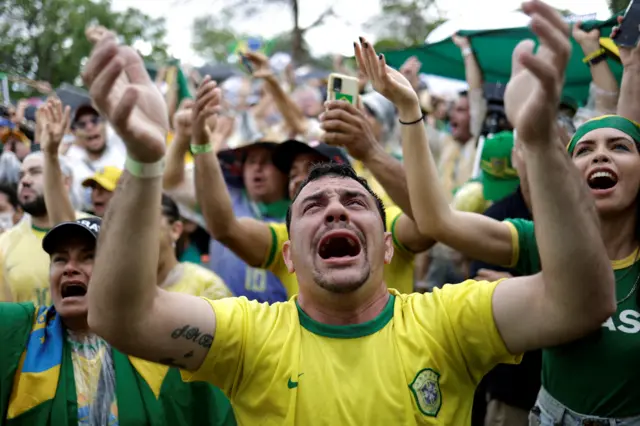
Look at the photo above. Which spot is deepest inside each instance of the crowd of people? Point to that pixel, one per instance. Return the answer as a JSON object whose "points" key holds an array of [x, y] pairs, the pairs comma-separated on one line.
{"points": [[255, 254]]}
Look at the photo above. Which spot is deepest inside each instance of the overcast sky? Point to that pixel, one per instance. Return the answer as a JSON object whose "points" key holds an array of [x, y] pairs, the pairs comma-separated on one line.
{"points": [[337, 35]]}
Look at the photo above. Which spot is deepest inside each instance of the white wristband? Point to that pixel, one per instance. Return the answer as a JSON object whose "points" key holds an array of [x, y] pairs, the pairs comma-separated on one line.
{"points": [[144, 170], [466, 52]]}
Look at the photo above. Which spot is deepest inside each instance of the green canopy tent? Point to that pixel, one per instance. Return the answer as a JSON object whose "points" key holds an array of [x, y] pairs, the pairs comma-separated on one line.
{"points": [[493, 49]]}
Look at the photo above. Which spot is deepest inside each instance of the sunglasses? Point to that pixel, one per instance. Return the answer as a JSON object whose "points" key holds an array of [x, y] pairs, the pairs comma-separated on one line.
{"points": [[84, 123]]}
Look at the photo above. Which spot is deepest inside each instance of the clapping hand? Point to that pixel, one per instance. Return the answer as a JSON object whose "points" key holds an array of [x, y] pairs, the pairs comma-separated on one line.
{"points": [[207, 106], [262, 68], [385, 80], [589, 41], [123, 92], [535, 115], [55, 123]]}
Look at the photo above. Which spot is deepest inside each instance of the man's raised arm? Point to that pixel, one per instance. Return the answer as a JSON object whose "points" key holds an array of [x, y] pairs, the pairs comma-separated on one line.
{"points": [[575, 293], [126, 307], [250, 239]]}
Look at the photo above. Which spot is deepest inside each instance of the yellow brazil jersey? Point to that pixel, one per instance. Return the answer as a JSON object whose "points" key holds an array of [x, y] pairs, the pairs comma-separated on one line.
{"points": [[198, 281], [24, 265], [398, 274], [376, 187], [417, 363]]}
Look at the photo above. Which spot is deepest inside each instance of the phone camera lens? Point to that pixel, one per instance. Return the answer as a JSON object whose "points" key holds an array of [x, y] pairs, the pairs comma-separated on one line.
{"points": [[337, 84]]}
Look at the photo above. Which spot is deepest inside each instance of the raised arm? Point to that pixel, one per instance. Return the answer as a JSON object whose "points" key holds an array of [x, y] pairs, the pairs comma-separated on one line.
{"points": [[56, 196], [606, 96], [476, 236], [575, 293], [126, 307], [248, 238]]}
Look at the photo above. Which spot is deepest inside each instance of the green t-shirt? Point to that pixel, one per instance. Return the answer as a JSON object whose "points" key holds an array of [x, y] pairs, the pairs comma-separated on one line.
{"points": [[597, 375]]}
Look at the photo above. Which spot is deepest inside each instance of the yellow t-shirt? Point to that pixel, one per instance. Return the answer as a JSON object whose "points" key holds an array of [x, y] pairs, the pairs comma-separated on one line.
{"points": [[398, 274], [198, 281], [417, 363], [24, 265], [375, 186]]}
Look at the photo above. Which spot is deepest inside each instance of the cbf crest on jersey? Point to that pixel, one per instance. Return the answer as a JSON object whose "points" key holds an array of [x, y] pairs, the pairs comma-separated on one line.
{"points": [[426, 391]]}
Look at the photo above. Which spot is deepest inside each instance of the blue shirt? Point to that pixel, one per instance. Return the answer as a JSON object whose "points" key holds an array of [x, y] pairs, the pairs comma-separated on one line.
{"points": [[242, 279]]}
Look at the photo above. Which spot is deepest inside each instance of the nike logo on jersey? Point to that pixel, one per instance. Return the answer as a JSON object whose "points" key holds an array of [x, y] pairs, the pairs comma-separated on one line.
{"points": [[291, 384]]}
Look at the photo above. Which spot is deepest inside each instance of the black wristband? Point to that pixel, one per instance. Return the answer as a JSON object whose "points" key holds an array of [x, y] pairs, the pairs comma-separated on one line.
{"points": [[598, 59], [408, 123]]}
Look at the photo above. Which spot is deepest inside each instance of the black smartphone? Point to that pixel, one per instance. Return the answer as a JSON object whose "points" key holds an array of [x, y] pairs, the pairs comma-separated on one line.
{"points": [[629, 31]]}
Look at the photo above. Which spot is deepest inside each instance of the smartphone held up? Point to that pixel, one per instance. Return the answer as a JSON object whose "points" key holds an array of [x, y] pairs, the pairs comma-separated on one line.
{"points": [[343, 88], [628, 32]]}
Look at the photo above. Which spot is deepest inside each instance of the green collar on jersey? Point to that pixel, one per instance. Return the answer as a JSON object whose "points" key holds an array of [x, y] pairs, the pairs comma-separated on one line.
{"points": [[348, 331]]}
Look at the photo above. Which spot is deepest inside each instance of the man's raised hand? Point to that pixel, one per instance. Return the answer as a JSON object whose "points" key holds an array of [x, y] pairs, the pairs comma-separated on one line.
{"points": [[207, 105], [345, 125], [55, 124], [122, 90], [536, 117], [384, 79]]}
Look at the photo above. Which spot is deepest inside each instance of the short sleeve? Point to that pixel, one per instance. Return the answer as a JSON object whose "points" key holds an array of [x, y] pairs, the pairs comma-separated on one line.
{"points": [[274, 261], [392, 215], [468, 307], [524, 252], [223, 365]]}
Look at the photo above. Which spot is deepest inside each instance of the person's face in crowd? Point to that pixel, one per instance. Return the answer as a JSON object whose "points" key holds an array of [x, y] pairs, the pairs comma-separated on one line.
{"points": [[376, 126], [308, 101], [460, 120], [100, 198], [263, 180], [170, 232], [609, 161], [300, 169], [9, 215], [337, 237], [440, 111], [90, 132], [16, 146], [69, 275], [30, 186]]}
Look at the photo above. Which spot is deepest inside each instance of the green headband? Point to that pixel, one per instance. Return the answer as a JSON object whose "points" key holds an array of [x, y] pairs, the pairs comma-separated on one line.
{"points": [[630, 128]]}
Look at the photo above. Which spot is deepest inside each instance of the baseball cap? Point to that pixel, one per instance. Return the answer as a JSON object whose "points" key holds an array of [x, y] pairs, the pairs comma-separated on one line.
{"points": [[286, 153], [499, 178], [85, 227], [84, 109], [106, 177]]}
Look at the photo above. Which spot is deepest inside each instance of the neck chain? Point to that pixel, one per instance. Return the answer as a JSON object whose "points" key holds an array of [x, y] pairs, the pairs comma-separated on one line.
{"points": [[635, 285]]}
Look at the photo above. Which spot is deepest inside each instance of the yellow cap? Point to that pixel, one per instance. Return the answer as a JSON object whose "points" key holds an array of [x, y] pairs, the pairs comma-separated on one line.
{"points": [[107, 178]]}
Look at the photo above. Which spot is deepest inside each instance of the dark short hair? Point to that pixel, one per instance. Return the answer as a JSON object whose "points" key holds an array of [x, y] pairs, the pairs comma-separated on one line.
{"points": [[170, 209], [344, 171], [10, 191]]}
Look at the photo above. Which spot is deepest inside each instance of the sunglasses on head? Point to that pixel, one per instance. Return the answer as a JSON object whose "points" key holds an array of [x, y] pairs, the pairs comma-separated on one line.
{"points": [[81, 124]]}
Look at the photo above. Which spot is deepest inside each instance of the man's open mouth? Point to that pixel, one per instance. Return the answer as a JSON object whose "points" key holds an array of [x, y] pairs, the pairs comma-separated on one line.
{"points": [[339, 244], [602, 179], [73, 289]]}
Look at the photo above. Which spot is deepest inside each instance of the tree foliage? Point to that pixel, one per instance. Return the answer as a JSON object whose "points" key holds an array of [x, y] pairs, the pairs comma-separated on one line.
{"points": [[44, 39], [404, 23], [616, 6], [212, 35]]}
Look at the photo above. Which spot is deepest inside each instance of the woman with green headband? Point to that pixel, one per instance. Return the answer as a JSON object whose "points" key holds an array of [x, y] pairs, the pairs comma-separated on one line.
{"points": [[592, 378]]}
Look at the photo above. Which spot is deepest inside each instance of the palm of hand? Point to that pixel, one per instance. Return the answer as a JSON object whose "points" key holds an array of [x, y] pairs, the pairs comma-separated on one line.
{"points": [[535, 115], [395, 87]]}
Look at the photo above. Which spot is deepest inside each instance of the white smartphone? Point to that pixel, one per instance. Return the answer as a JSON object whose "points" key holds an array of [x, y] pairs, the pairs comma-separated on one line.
{"points": [[343, 88]]}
